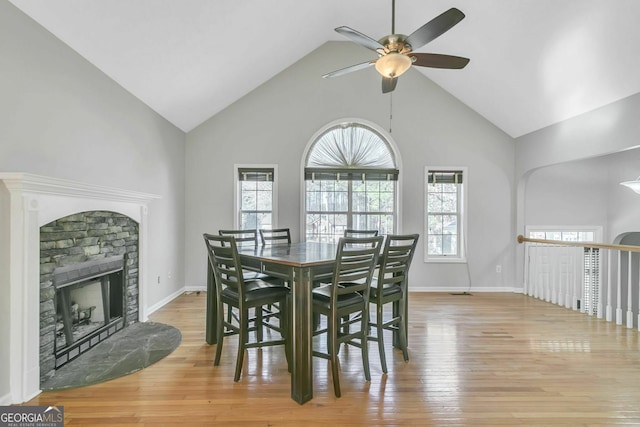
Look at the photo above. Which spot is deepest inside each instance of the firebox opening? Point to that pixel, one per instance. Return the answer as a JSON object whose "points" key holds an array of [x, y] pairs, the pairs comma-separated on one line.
{"points": [[89, 305]]}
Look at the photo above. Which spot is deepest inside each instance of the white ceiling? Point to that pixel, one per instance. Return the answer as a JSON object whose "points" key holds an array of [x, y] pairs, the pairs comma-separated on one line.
{"points": [[533, 62]]}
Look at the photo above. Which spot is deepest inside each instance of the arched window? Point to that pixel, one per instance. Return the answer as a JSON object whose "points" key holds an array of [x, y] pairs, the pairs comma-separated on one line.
{"points": [[350, 183]]}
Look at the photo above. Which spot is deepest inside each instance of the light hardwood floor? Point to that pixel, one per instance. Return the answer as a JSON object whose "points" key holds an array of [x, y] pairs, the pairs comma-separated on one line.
{"points": [[489, 359]]}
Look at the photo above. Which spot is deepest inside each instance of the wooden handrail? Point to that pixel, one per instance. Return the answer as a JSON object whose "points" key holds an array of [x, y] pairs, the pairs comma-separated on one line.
{"points": [[629, 248]]}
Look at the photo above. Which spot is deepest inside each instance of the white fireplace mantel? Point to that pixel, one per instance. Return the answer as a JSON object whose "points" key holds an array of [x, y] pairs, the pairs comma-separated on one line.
{"points": [[28, 202]]}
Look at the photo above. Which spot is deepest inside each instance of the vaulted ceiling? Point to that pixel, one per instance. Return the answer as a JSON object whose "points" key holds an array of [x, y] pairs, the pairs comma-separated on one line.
{"points": [[533, 62]]}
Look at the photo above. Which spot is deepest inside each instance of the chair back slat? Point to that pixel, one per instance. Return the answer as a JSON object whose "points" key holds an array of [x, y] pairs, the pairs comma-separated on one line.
{"points": [[244, 238], [350, 232], [275, 236]]}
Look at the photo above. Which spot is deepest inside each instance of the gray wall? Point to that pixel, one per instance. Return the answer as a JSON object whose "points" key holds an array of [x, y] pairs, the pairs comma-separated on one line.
{"points": [[61, 117], [274, 124]]}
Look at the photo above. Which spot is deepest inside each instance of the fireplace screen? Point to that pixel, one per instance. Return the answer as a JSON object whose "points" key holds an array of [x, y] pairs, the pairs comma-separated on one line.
{"points": [[89, 305]]}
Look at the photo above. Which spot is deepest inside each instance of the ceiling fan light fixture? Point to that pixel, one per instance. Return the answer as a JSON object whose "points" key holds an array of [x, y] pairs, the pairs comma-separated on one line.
{"points": [[393, 64], [634, 185]]}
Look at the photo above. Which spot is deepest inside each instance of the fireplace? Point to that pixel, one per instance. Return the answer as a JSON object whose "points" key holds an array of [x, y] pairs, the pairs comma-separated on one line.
{"points": [[27, 203], [88, 284]]}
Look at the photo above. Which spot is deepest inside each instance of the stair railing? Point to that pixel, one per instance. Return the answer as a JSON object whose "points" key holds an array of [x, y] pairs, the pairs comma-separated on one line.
{"points": [[596, 279]]}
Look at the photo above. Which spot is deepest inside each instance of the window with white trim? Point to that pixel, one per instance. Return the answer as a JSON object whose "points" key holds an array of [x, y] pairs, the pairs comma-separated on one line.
{"points": [[255, 197], [444, 208], [350, 182]]}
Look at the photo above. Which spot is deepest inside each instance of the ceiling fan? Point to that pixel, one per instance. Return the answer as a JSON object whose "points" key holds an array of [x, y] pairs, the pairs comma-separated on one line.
{"points": [[396, 51]]}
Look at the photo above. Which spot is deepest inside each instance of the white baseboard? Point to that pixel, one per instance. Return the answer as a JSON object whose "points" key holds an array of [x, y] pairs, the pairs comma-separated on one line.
{"points": [[187, 289], [157, 306], [466, 289], [196, 288], [5, 400]]}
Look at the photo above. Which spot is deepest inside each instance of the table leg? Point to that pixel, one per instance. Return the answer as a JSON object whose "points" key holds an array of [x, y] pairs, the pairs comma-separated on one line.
{"points": [[210, 327], [302, 309]]}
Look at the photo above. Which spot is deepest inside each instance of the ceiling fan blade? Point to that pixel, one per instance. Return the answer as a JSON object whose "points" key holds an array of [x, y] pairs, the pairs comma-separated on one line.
{"points": [[434, 60], [389, 84], [435, 28], [350, 69], [361, 39]]}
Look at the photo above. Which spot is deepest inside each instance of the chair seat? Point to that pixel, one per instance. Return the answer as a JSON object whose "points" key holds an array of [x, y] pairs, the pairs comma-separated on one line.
{"points": [[322, 297], [387, 290], [257, 293], [269, 281], [253, 275]]}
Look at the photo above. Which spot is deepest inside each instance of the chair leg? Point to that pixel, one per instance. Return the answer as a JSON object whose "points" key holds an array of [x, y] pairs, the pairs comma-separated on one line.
{"points": [[219, 334], [380, 336], [332, 338], [285, 330], [402, 328], [259, 320], [364, 346], [242, 340]]}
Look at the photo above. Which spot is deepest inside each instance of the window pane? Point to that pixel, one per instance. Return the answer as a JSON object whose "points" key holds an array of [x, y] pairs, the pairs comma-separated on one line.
{"points": [[449, 245], [434, 225], [313, 200], [264, 201], [248, 201], [435, 244], [449, 202], [248, 221], [434, 202]]}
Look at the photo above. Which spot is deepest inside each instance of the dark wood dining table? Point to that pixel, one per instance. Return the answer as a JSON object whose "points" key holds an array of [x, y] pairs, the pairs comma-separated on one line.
{"points": [[300, 264]]}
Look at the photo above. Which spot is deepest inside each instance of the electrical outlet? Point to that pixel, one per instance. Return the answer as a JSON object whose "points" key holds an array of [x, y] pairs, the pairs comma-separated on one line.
{"points": [[158, 280], [169, 275], [498, 268]]}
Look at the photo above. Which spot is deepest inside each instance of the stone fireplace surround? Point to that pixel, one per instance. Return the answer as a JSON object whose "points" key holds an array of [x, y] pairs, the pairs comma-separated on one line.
{"points": [[27, 202]]}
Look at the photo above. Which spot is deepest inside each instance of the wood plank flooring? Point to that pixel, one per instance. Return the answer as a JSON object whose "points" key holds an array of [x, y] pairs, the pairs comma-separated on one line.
{"points": [[487, 359]]}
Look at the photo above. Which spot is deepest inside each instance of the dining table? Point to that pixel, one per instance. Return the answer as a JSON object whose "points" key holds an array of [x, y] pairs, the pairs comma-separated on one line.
{"points": [[300, 264]]}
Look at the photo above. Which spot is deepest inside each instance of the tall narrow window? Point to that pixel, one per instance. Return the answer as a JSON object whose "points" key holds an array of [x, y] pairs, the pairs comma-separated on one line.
{"points": [[444, 214], [350, 182], [255, 197]]}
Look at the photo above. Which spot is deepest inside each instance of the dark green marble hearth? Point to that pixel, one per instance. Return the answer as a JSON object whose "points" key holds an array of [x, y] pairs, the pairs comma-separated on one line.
{"points": [[130, 350]]}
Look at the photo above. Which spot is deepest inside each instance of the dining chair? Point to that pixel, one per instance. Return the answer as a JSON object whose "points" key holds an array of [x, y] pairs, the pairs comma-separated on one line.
{"points": [[231, 289], [275, 236], [249, 238], [390, 286], [347, 294], [245, 238]]}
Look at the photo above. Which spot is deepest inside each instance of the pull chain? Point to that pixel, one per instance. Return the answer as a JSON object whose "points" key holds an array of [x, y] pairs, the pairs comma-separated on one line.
{"points": [[390, 110]]}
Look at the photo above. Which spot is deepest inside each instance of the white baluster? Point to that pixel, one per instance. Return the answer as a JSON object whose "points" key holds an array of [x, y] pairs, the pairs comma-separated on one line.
{"points": [[609, 314], [629, 294], [569, 278], [577, 278], [638, 322], [619, 292], [553, 285], [600, 310], [547, 282]]}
